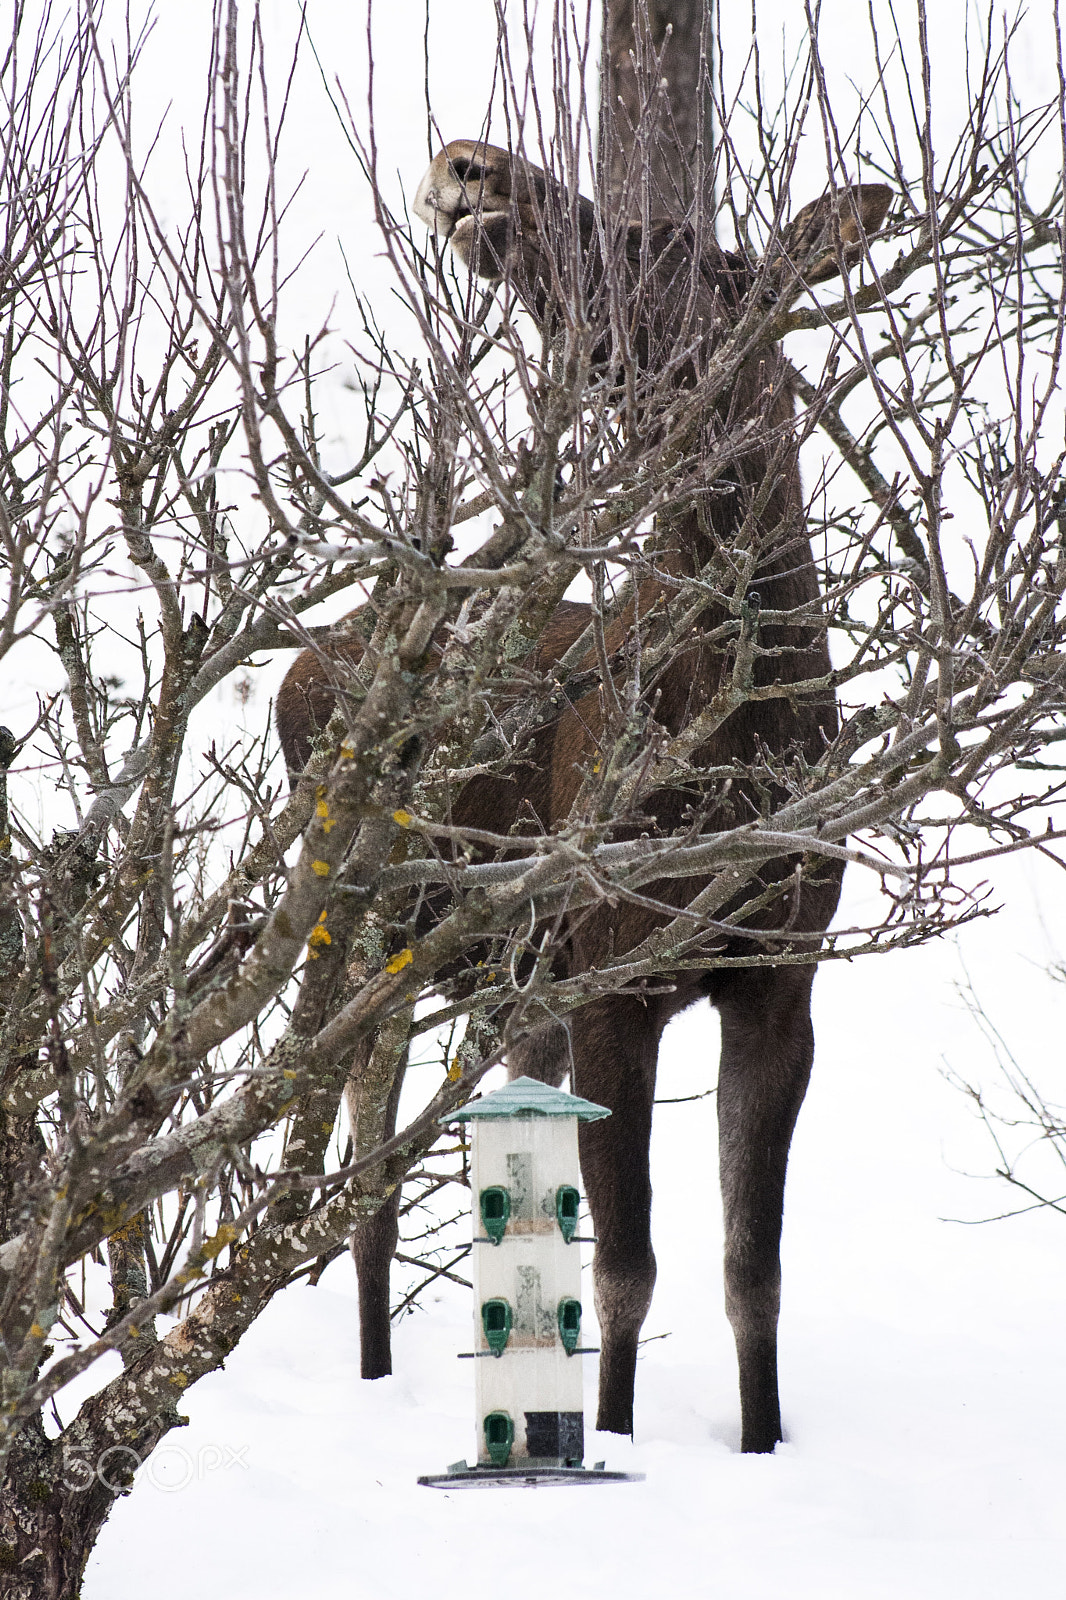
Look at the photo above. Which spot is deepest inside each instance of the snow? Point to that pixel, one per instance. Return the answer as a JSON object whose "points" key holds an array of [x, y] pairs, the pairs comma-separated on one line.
{"points": [[921, 1365]]}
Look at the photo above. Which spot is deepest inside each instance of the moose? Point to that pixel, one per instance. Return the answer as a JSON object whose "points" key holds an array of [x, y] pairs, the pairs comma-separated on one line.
{"points": [[499, 215]]}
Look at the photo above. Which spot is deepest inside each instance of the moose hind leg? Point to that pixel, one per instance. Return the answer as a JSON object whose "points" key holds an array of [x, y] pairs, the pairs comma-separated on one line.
{"points": [[373, 1248], [767, 1050], [373, 1099], [615, 1045]]}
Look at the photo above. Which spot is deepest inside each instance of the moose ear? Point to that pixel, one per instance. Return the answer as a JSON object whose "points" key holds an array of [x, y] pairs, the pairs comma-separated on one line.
{"points": [[808, 245]]}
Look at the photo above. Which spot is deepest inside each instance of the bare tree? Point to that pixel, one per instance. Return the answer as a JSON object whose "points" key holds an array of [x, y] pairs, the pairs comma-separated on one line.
{"points": [[1026, 1124], [191, 960]]}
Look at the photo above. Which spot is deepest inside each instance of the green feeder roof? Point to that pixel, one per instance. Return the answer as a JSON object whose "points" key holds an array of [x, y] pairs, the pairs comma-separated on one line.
{"points": [[527, 1097]]}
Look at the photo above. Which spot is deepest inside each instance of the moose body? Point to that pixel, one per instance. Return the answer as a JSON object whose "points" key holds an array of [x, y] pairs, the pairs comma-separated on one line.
{"points": [[494, 211]]}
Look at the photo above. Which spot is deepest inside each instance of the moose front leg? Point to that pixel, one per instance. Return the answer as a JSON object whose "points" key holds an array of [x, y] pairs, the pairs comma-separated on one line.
{"points": [[615, 1045], [544, 1055], [767, 1050]]}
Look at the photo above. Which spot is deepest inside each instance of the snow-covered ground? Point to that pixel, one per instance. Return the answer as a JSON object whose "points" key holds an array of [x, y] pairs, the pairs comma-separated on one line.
{"points": [[921, 1366]]}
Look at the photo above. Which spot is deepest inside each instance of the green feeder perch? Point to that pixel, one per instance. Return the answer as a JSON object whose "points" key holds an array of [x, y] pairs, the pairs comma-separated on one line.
{"points": [[495, 1211], [496, 1319], [569, 1324], [567, 1205], [499, 1437]]}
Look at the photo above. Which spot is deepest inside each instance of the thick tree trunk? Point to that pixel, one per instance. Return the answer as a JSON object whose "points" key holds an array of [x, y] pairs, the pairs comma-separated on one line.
{"points": [[55, 1498], [656, 124], [21, 1145]]}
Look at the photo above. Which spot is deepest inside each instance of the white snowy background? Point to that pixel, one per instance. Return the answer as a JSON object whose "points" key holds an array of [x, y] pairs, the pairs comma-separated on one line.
{"points": [[921, 1356]]}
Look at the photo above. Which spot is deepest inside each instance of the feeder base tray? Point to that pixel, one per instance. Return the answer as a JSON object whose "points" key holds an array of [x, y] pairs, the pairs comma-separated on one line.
{"points": [[461, 1476]]}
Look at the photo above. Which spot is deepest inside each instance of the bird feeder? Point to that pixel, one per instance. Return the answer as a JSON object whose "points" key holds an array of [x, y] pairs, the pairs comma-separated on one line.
{"points": [[527, 1289]]}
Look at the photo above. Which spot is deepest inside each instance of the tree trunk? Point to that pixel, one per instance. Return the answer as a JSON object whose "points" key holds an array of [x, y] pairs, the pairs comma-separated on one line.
{"points": [[655, 123], [56, 1496], [21, 1146]]}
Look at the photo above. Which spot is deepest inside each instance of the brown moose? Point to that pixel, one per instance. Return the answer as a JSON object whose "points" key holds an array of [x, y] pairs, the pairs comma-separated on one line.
{"points": [[496, 212]]}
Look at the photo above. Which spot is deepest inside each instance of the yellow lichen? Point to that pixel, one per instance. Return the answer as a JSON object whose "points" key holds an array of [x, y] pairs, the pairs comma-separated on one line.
{"points": [[398, 963], [320, 869], [218, 1241], [403, 818]]}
